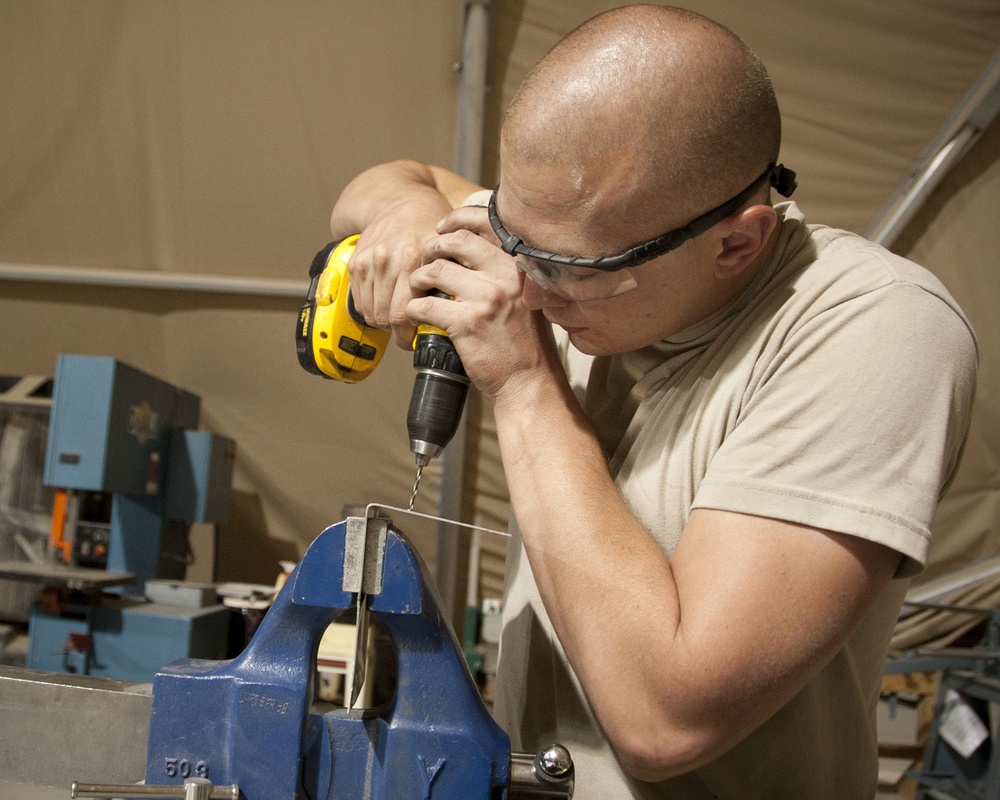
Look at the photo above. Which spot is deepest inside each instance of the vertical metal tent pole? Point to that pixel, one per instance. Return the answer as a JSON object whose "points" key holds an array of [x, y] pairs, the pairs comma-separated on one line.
{"points": [[472, 71], [470, 114]]}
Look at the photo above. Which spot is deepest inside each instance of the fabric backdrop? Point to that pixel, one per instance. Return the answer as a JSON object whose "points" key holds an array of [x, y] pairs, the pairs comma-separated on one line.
{"points": [[213, 138]]}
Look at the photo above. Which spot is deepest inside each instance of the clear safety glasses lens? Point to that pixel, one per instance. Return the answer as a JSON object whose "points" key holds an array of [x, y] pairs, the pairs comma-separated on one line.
{"points": [[577, 284]]}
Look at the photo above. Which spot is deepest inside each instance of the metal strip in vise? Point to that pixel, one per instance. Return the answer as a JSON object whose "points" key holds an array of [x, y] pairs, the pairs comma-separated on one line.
{"points": [[364, 549]]}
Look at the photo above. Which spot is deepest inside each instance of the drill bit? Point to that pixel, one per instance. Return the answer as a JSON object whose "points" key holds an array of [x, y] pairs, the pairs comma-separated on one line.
{"points": [[416, 485]]}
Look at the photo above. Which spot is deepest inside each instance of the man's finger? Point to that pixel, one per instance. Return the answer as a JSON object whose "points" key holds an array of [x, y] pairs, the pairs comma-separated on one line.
{"points": [[470, 218]]}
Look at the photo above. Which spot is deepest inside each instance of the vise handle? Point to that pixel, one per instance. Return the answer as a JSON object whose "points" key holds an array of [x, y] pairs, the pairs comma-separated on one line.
{"points": [[192, 789], [547, 774]]}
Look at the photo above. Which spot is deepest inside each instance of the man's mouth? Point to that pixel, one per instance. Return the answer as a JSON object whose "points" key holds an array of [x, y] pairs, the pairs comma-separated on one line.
{"points": [[554, 319], [568, 328]]}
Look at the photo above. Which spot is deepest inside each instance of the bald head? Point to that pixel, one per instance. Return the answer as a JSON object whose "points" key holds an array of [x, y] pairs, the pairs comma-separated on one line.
{"points": [[670, 106]]}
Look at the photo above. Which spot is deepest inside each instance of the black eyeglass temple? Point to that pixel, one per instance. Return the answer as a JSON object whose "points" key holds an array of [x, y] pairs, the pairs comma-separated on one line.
{"points": [[778, 176], [783, 180]]}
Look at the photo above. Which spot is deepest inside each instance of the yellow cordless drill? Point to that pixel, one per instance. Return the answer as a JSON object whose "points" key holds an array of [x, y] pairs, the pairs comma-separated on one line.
{"points": [[334, 341]]}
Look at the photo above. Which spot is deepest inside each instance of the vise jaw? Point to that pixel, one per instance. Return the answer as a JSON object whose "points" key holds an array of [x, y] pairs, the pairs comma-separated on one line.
{"points": [[249, 722]]}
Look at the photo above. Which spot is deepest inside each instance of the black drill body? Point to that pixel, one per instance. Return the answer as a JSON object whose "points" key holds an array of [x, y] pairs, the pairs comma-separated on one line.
{"points": [[439, 392]]}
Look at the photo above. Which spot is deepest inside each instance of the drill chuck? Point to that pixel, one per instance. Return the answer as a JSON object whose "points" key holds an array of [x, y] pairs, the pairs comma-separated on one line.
{"points": [[438, 398]]}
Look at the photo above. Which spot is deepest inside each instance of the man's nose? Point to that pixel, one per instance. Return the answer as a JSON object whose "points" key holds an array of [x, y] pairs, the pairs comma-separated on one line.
{"points": [[536, 298]]}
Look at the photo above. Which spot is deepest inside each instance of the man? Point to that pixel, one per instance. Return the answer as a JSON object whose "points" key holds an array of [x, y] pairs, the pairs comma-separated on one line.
{"points": [[724, 464]]}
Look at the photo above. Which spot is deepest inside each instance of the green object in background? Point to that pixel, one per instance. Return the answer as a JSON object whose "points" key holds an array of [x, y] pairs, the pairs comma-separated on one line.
{"points": [[470, 638]]}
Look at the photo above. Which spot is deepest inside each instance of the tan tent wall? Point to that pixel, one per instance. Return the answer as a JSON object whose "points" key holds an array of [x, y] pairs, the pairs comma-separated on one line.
{"points": [[213, 138]]}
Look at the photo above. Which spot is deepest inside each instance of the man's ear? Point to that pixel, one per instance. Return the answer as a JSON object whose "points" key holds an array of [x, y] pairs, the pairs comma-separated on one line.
{"points": [[744, 236]]}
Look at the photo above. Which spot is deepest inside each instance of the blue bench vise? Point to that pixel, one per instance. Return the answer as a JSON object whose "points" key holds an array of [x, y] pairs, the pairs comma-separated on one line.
{"points": [[248, 727]]}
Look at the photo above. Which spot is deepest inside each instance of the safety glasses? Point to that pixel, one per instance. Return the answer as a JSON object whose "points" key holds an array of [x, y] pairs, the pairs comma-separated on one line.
{"points": [[577, 278]]}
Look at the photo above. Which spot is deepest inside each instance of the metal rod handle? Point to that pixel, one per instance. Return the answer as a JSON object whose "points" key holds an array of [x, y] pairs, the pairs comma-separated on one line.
{"points": [[547, 774], [193, 789]]}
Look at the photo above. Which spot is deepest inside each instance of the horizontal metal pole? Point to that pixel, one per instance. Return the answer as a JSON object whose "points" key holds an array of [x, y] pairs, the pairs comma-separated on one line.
{"points": [[142, 279]]}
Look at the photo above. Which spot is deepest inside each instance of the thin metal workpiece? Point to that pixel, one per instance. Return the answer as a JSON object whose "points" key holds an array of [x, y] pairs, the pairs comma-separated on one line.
{"points": [[375, 506]]}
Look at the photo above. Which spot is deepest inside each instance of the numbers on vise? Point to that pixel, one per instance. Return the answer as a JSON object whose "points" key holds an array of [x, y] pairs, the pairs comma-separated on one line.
{"points": [[183, 768]]}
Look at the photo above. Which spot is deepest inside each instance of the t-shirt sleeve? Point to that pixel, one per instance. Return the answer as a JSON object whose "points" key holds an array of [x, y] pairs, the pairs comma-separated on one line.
{"points": [[478, 199], [857, 422]]}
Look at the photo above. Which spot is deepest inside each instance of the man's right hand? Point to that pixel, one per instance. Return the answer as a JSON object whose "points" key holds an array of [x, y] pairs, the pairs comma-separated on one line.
{"points": [[390, 248], [394, 207]]}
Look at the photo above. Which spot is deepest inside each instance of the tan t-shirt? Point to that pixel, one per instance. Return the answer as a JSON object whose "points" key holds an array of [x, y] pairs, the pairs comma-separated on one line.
{"points": [[835, 393]]}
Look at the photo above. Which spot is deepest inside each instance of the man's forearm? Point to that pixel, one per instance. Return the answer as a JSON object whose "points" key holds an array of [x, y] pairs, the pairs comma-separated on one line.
{"points": [[367, 195], [599, 574]]}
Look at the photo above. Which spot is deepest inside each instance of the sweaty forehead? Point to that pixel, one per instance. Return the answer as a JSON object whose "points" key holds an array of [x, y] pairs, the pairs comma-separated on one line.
{"points": [[544, 211], [552, 209]]}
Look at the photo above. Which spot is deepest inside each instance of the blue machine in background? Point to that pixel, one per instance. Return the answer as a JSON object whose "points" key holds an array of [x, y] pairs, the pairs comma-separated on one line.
{"points": [[117, 430], [132, 438]]}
